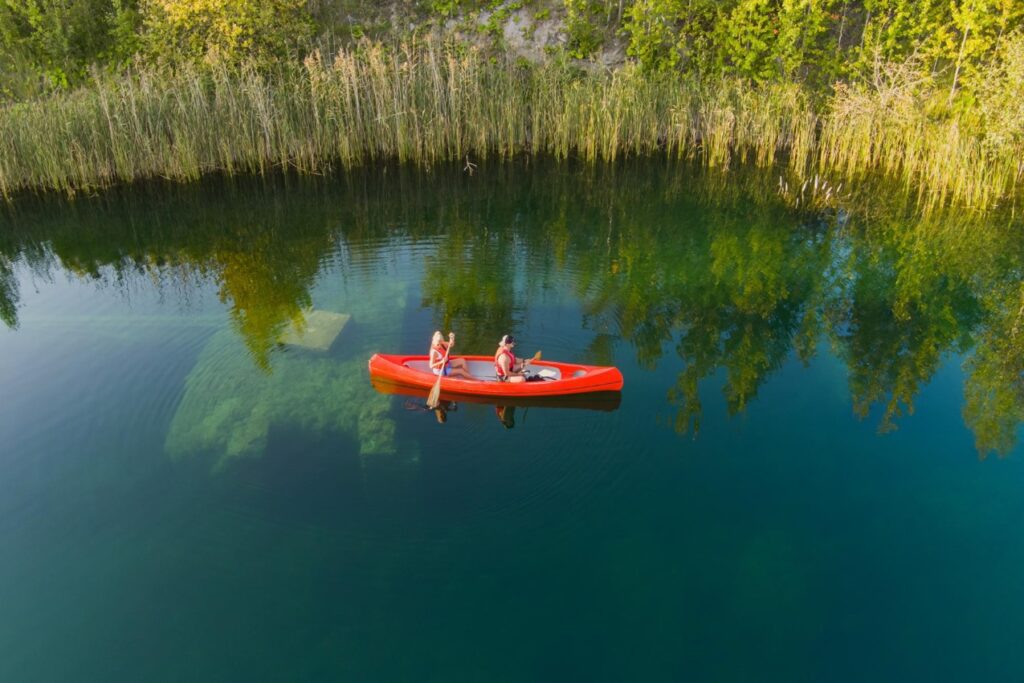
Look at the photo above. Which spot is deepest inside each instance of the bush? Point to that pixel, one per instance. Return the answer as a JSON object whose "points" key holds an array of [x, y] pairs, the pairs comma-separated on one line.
{"points": [[581, 25], [224, 30], [55, 42]]}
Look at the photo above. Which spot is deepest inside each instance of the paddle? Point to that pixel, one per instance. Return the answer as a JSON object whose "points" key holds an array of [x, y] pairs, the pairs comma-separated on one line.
{"points": [[536, 357], [434, 397]]}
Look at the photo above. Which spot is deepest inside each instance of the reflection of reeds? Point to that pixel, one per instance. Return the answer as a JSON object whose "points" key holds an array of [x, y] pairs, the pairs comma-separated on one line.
{"points": [[427, 103], [814, 194]]}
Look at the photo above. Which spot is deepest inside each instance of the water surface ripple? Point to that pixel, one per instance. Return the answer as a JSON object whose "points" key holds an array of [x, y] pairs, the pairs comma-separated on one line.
{"points": [[813, 472]]}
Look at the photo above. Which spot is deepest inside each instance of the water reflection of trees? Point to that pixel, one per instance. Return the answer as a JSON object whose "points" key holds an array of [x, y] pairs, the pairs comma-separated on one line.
{"points": [[893, 296], [994, 388], [265, 279], [732, 295], [905, 306], [8, 294], [722, 274], [262, 261], [470, 284]]}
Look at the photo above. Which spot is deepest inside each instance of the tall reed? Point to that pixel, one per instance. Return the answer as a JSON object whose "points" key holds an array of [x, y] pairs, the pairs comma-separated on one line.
{"points": [[428, 102]]}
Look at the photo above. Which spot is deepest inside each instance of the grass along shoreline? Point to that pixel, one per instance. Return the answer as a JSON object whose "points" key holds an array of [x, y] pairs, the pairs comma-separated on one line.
{"points": [[426, 104]]}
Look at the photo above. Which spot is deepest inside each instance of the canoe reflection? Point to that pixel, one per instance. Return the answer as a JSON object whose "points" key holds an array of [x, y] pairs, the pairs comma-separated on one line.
{"points": [[505, 405]]}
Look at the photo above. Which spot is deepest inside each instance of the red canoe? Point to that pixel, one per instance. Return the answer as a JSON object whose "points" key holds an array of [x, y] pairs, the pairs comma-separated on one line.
{"points": [[559, 379]]}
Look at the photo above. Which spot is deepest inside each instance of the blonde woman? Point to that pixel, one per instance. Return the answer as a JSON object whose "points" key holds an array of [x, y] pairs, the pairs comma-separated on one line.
{"points": [[450, 367]]}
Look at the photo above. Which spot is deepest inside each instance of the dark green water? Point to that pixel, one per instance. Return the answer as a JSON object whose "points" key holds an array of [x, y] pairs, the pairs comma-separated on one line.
{"points": [[814, 472]]}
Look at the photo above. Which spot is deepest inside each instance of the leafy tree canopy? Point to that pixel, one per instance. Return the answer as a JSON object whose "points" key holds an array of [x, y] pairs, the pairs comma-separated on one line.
{"points": [[231, 30]]}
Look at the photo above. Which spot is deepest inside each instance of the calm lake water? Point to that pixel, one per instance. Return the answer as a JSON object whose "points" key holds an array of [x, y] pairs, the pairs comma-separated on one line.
{"points": [[813, 472]]}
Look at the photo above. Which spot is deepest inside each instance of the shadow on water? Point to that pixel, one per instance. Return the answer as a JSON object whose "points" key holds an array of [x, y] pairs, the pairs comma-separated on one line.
{"points": [[654, 259]]}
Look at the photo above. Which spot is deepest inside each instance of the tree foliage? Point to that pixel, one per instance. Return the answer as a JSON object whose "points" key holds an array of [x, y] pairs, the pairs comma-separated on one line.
{"points": [[820, 40], [52, 43], [224, 30], [55, 41]]}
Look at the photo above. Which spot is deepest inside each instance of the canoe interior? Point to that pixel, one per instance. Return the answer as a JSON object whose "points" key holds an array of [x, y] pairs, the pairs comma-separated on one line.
{"points": [[484, 370]]}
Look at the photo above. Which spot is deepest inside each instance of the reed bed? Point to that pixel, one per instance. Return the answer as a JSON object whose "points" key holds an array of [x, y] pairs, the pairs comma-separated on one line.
{"points": [[429, 103], [941, 159]]}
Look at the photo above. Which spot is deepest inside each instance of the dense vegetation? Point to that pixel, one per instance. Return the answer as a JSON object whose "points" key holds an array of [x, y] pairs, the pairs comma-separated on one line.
{"points": [[106, 90], [53, 43]]}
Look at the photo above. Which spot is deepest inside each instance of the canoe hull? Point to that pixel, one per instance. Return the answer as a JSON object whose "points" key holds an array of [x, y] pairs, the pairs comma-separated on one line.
{"points": [[573, 378], [606, 401]]}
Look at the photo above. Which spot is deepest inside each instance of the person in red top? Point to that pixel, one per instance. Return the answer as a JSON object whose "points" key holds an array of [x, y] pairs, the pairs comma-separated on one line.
{"points": [[506, 367], [452, 367]]}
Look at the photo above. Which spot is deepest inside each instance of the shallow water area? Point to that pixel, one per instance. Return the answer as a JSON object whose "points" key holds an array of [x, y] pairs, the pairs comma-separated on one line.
{"points": [[813, 472]]}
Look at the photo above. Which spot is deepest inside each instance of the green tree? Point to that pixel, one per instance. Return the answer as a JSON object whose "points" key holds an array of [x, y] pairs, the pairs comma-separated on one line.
{"points": [[805, 38], [895, 29], [586, 23], [972, 36], [224, 30], [57, 40], [746, 36], [653, 33]]}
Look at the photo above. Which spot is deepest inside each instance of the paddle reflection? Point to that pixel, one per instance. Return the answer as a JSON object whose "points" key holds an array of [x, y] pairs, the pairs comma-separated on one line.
{"points": [[440, 411]]}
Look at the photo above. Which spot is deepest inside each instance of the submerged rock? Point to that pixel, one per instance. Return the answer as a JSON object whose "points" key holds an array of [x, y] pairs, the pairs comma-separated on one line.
{"points": [[230, 403], [317, 331]]}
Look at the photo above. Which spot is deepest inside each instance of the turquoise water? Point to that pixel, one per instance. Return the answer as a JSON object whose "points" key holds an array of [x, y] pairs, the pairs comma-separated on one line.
{"points": [[813, 471]]}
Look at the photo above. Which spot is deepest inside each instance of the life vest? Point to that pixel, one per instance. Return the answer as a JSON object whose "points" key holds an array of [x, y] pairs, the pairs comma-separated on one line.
{"points": [[498, 370], [440, 351]]}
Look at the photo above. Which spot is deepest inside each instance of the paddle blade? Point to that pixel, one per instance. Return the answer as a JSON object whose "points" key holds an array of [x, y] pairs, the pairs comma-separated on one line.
{"points": [[434, 397], [536, 356]]}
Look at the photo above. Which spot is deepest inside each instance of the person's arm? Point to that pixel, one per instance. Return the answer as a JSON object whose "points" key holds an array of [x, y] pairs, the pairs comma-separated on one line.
{"points": [[503, 362], [436, 356]]}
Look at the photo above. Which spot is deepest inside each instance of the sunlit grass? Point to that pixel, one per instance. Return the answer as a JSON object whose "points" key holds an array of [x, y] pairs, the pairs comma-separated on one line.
{"points": [[430, 103]]}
